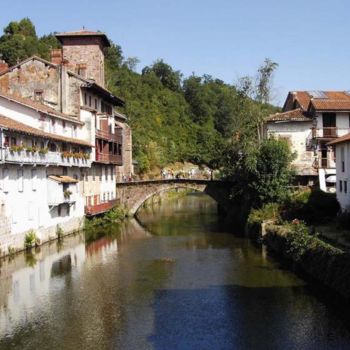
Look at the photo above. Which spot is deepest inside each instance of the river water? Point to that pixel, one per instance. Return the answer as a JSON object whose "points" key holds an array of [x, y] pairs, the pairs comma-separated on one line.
{"points": [[178, 280]]}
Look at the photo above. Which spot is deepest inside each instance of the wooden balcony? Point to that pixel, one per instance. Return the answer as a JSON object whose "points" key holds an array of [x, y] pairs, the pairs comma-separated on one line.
{"points": [[329, 132], [106, 135], [91, 210], [109, 158]]}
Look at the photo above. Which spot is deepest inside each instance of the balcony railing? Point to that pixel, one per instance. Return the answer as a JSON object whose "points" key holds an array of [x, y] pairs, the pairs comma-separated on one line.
{"points": [[49, 158], [109, 158], [330, 132], [106, 135], [91, 210], [325, 163]]}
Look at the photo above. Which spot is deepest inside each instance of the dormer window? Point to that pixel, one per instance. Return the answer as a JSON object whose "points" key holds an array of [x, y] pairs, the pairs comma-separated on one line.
{"points": [[38, 95]]}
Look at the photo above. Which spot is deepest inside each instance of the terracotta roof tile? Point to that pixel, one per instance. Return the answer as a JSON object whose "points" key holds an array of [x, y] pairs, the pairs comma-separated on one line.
{"points": [[14, 125], [39, 107], [295, 115], [63, 179], [80, 33], [331, 104]]}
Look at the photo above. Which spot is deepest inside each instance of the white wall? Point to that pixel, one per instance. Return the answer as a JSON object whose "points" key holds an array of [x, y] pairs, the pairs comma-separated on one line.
{"points": [[342, 196], [298, 133]]}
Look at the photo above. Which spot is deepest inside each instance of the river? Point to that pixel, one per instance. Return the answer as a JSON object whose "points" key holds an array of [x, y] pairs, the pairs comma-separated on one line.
{"points": [[178, 280]]}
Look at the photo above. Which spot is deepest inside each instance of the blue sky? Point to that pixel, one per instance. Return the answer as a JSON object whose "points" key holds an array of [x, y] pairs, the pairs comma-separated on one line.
{"points": [[224, 38]]}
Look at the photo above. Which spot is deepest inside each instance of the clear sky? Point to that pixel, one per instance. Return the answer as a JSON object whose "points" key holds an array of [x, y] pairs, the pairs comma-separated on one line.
{"points": [[224, 38]]}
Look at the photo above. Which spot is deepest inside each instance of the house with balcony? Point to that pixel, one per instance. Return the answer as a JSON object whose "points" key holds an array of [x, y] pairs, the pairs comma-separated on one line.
{"points": [[309, 121], [39, 171], [73, 84]]}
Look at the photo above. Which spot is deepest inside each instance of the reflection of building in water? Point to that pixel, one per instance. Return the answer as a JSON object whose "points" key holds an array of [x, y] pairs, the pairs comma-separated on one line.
{"points": [[22, 290]]}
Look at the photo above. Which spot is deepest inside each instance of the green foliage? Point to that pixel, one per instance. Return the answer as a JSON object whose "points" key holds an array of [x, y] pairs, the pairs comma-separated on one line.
{"points": [[312, 206], [31, 239], [261, 173], [20, 41], [300, 242], [268, 211]]}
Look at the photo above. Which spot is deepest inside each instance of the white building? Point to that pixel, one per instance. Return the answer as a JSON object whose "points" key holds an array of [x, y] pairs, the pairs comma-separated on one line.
{"points": [[342, 149]]}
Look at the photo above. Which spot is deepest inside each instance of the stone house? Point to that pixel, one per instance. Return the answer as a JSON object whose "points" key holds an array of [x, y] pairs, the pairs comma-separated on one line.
{"points": [[309, 121], [73, 84]]}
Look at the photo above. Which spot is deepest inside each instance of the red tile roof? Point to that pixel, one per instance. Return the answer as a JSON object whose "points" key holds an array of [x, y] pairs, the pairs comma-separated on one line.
{"points": [[303, 98], [39, 107], [296, 115], [331, 104], [11, 124], [340, 140]]}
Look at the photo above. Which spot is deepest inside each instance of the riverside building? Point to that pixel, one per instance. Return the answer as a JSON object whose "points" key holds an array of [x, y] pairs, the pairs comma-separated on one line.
{"points": [[64, 144], [308, 122]]}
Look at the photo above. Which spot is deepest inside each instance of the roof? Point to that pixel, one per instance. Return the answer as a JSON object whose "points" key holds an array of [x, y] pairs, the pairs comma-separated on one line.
{"points": [[39, 107], [88, 84], [304, 98], [295, 115], [341, 139], [31, 58], [331, 104], [14, 125], [83, 33], [63, 179]]}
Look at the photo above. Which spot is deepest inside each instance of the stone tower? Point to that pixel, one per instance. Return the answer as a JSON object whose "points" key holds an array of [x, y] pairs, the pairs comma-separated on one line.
{"points": [[83, 51]]}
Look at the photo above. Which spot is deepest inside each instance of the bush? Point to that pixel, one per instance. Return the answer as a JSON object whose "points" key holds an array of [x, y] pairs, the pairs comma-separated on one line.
{"points": [[267, 212], [31, 239], [313, 207], [343, 220]]}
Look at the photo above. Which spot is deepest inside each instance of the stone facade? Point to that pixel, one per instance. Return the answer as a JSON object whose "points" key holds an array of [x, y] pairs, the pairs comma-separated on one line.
{"points": [[84, 56]]}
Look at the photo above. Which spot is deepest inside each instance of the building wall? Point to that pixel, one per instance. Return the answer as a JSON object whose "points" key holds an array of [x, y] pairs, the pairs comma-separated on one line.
{"points": [[343, 154], [24, 190], [87, 51], [342, 122], [297, 134], [127, 168], [30, 76]]}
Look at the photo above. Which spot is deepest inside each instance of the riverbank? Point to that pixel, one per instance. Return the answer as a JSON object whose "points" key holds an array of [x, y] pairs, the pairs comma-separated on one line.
{"points": [[301, 243], [12, 244]]}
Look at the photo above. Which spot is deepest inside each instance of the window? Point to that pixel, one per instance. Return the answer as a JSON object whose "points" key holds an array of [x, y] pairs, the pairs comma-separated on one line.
{"points": [[38, 95], [52, 147], [34, 180], [6, 141], [65, 171], [74, 131], [59, 210], [345, 186], [20, 180], [342, 158], [340, 186], [119, 149], [64, 125], [112, 173], [89, 101], [13, 141], [96, 103], [85, 99], [106, 173]]}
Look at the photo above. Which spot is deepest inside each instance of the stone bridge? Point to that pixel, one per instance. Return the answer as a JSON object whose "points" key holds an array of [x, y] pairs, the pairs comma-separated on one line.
{"points": [[133, 194]]}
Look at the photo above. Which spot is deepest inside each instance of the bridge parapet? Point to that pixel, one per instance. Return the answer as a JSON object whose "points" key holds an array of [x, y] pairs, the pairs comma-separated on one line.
{"points": [[133, 194]]}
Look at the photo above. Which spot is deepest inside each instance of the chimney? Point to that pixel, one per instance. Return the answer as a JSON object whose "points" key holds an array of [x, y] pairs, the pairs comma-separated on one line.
{"points": [[56, 56], [3, 66]]}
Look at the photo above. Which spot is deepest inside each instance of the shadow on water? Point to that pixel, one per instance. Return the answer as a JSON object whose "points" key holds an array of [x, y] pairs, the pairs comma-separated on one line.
{"points": [[237, 317]]}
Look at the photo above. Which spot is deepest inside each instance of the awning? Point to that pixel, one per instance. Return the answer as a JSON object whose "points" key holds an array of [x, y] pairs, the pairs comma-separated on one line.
{"points": [[63, 179]]}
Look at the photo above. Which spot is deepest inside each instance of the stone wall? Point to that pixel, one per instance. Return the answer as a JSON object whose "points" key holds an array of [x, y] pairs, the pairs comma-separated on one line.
{"points": [[15, 242]]}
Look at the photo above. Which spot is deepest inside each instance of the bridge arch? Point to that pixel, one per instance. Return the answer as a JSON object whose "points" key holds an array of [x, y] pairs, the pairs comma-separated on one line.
{"points": [[133, 194]]}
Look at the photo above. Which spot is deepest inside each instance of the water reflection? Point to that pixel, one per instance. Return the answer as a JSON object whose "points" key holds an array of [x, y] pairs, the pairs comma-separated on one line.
{"points": [[188, 285]]}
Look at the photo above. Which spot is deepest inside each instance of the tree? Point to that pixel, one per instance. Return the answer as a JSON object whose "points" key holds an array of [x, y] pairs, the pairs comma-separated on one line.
{"points": [[170, 78], [261, 173], [265, 73]]}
